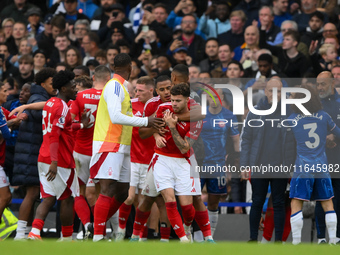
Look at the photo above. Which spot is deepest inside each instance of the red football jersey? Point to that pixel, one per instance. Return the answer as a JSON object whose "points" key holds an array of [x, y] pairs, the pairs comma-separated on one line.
{"points": [[3, 142], [87, 99], [152, 104], [141, 149], [57, 127], [184, 128]]}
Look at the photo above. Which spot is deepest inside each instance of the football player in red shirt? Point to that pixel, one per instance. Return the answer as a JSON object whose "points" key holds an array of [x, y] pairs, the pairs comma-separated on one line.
{"points": [[87, 101], [58, 178]]}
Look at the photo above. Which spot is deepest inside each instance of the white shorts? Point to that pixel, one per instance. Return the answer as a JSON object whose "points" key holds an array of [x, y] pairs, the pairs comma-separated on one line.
{"points": [[90, 183], [138, 175], [111, 165], [64, 185], [3, 178], [172, 173], [150, 187], [82, 166]]}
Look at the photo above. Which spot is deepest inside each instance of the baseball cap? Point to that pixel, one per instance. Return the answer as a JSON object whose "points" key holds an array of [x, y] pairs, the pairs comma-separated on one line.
{"points": [[33, 10], [117, 27], [117, 7], [177, 28], [48, 18], [70, 1], [180, 49]]}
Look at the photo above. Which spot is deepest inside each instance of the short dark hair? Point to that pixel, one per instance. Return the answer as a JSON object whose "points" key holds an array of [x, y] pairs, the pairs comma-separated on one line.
{"points": [[59, 22], [294, 34], [317, 14], [113, 47], [192, 15], [236, 63], [26, 58], [313, 105], [93, 37], [162, 78], [161, 5], [85, 81], [122, 60], [85, 69], [265, 57], [180, 89], [181, 69], [63, 34], [212, 39], [44, 74], [61, 79]]}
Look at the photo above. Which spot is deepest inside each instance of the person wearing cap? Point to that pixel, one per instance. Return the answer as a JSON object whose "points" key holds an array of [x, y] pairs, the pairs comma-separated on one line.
{"points": [[34, 26], [108, 20], [47, 32], [181, 56], [39, 60], [70, 11], [17, 10]]}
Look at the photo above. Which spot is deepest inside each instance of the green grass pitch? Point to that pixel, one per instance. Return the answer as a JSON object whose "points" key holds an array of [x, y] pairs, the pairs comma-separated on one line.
{"points": [[51, 247]]}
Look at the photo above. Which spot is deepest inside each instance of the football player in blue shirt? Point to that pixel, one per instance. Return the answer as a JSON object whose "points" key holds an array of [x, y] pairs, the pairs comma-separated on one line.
{"points": [[311, 179], [217, 128]]}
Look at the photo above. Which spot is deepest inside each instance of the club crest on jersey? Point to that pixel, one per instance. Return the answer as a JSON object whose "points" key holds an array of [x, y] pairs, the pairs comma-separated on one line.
{"points": [[4, 180], [147, 189], [61, 120], [110, 171]]}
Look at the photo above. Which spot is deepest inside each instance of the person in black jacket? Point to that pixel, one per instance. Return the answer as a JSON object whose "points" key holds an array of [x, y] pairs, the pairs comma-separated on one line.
{"points": [[291, 62], [25, 171]]}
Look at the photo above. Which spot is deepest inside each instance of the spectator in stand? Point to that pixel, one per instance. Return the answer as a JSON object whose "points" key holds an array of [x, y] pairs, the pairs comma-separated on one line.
{"points": [[27, 150], [25, 70], [225, 55], [145, 42], [115, 18], [24, 49], [7, 69], [80, 30], [73, 57], [281, 11], [314, 30], [234, 37], [111, 52], [58, 55], [39, 60], [180, 56], [183, 8], [19, 32], [215, 27], [100, 56], [124, 46], [291, 62], [194, 42], [164, 65], [266, 17], [245, 52], [34, 26], [7, 26], [90, 44], [70, 13], [211, 50], [156, 21], [251, 10], [61, 67], [53, 27], [16, 10], [81, 71], [307, 8], [329, 29]]}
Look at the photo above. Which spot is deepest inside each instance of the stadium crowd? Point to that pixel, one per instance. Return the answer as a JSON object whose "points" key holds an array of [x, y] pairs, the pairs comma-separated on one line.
{"points": [[131, 64]]}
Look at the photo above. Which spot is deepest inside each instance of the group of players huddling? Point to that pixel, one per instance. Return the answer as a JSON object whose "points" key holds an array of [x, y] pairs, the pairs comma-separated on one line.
{"points": [[101, 138]]}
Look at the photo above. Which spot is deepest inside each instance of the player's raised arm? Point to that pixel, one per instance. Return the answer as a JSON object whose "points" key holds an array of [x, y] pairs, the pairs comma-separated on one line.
{"points": [[34, 106]]}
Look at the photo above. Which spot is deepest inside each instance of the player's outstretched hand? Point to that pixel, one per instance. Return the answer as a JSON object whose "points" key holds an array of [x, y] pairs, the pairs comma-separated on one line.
{"points": [[85, 118], [155, 122], [170, 119], [17, 111], [52, 172]]}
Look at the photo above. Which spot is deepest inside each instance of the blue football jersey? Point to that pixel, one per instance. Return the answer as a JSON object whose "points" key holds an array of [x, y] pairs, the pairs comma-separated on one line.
{"points": [[215, 132], [310, 134]]}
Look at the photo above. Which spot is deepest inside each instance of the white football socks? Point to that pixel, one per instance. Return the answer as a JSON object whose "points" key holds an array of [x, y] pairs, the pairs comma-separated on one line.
{"points": [[296, 222], [213, 218], [331, 223]]}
